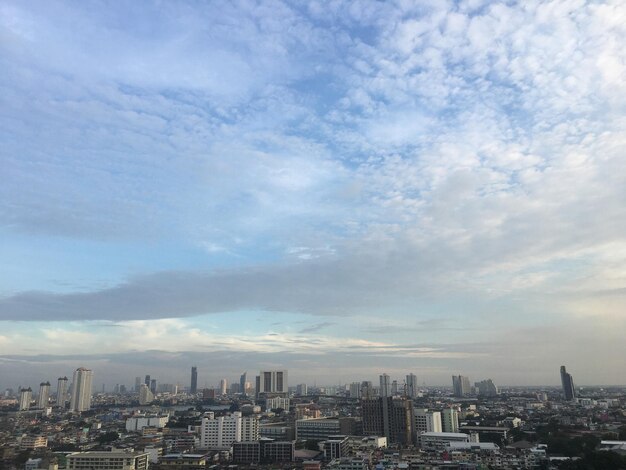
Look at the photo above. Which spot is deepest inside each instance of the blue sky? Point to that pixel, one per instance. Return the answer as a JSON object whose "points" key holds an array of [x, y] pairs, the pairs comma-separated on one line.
{"points": [[427, 187]]}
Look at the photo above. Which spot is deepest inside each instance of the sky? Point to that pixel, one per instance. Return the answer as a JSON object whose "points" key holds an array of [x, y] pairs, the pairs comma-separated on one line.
{"points": [[337, 188]]}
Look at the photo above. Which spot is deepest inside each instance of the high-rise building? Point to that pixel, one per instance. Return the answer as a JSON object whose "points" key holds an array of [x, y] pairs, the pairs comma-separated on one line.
{"points": [[486, 388], [427, 421], [61, 392], [250, 428], [450, 420], [272, 381], [367, 389], [220, 432], [223, 386], [302, 390], [194, 380], [153, 385], [145, 395], [81, 390], [567, 382], [26, 396], [461, 386], [385, 385], [44, 395], [355, 390], [389, 417], [147, 380], [137, 384], [411, 385], [394, 388], [242, 383]]}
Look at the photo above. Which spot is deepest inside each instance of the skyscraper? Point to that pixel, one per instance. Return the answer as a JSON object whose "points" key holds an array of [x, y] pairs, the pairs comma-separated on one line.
{"points": [[272, 381], [486, 388], [137, 384], [389, 417], [194, 380], [461, 385], [411, 385], [44, 395], [153, 385], [26, 396], [223, 386], [568, 385], [61, 392], [385, 385], [242, 383], [81, 390], [147, 380], [450, 420], [145, 395]]}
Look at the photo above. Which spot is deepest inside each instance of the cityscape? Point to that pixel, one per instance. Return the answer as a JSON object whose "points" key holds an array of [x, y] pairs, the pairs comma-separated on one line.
{"points": [[312, 234]]}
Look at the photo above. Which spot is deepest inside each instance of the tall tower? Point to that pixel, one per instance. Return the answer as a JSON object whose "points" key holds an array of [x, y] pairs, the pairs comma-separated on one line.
{"points": [[568, 385], [385, 386], [194, 380], [411, 385], [44, 395], [137, 384], [242, 383], [272, 381], [26, 396], [61, 392], [223, 386], [81, 391], [461, 385]]}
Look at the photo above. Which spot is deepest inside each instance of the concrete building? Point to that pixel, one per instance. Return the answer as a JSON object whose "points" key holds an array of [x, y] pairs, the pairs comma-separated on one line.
{"points": [[62, 389], [389, 417], [33, 442], [412, 388], [26, 396], [220, 432], [272, 381], [247, 452], [114, 460], [385, 385], [461, 386], [277, 402], [440, 440], [367, 389], [184, 461], [81, 390], [145, 395], [44, 395], [278, 451], [426, 421], [137, 423], [193, 386], [250, 429], [336, 447], [302, 390], [318, 429], [486, 388], [450, 420], [242, 383], [567, 381], [355, 390]]}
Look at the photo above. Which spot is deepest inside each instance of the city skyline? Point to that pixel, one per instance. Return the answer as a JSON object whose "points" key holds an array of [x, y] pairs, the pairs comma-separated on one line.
{"points": [[338, 190]]}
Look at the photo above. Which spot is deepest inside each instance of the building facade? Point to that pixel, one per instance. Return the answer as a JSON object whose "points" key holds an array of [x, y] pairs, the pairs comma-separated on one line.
{"points": [[81, 390]]}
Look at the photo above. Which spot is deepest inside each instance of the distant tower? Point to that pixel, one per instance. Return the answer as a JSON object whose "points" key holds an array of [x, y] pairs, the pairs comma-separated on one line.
{"points": [[145, 395], [450, 420], [26, 396], [411, 385], [81, 391], [223, 386], [137, 384], [385, 386], [272, 381], [568, 385], [242, 383], [147, 380], [194, 380], [44, 395], [153, 385], [61, 392], [461, 385]]}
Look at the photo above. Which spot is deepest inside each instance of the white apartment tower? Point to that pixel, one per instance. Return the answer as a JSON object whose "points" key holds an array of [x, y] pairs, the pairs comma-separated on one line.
{"points": [[61, 392], [427, 421], [44, 395], [26, 396], [223, 386], [145, 395], [250, 429], [221, 432], [81, 390]]}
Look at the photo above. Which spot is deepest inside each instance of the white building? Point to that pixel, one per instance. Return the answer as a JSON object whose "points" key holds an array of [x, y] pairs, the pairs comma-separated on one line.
{"points": [[61, 392], [411, 385], [302, 390], [441, 440], [450, 420], [44, 395], [114, 460], [277, 402], [426, 421], [223, 386], [272, 381], [145, 395], [81, 390], [137, 423], [26, 396], [221, 432], [250, 429]]}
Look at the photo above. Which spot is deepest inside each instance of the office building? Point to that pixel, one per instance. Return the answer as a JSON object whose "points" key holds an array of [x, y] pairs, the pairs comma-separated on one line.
{"points": [[272, 381], [389, 417], [385, 386], [317, 429], [26, 396], [426, 421], [153, 385], [137, 384], [44, 395], [220, 432], [81, 390], [461, 386], [223, 386], [486, 388], [450, 420], [113, 460], [302, 390], [62, 389], [278, 451], [242, 383], [336, 447], [367, 389], [411, 386], [569, 391], [145, 395], [193, 388]]}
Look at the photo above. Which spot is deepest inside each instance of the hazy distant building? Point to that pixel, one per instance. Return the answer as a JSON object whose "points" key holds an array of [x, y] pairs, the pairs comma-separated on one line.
{"points": [[223, 386], [272, 381], [302, 390], [147, 380], [568, 385], [450, 420], [62, 390], [389, 417], [411, 385], [194, 380], [26, 396], [355, 390], [145, 395], [44, 395], [367, 389], [153, 385], [276, 403], [385, 385], [242, 383], [81, 390], [461, 386], [486, 388], [137, 384]]}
